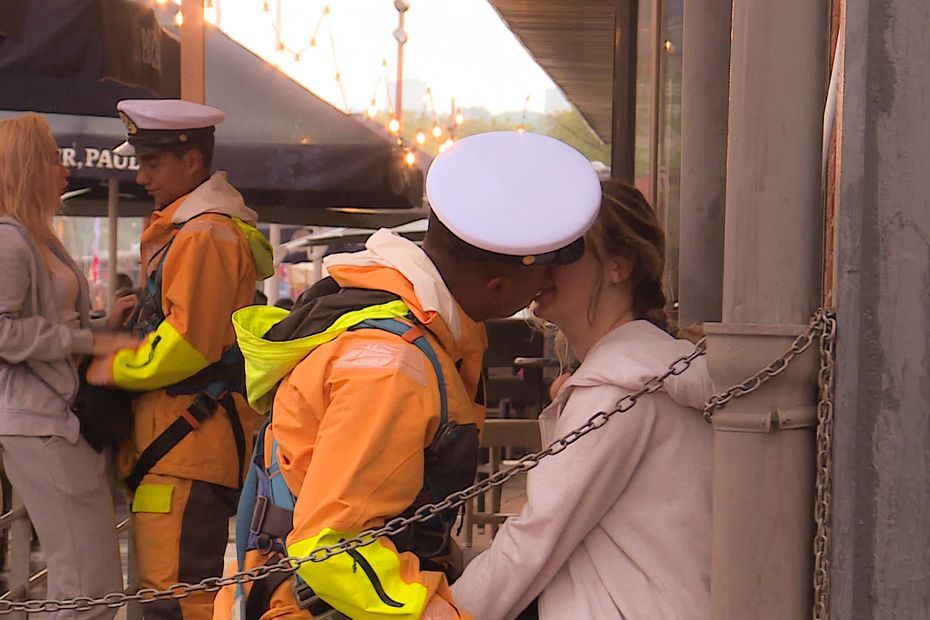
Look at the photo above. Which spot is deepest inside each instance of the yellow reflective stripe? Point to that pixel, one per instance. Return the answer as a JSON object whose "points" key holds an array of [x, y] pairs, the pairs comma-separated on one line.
{"points": [[153, 498], [261, 250], [164, 358], [268, 362], [364, 584]]}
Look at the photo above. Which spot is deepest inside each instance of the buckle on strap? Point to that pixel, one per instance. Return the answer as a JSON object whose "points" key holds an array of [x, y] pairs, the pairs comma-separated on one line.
{"points": [[308, 599], [258, 515], [202, 407]]}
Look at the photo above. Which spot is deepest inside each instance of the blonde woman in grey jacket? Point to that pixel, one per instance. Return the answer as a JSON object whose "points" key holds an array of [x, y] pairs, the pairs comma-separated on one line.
{"points": [[618, 525], [44, 325]]}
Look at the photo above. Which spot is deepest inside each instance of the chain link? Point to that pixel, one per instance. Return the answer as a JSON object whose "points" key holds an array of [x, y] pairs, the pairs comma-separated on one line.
{"points": [[801, 344], [824, 465], [455, 500]]}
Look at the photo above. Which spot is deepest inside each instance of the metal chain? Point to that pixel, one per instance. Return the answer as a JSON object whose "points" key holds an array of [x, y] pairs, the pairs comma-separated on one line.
{"points": [[426, 512], [824, 465], [801, 344]]}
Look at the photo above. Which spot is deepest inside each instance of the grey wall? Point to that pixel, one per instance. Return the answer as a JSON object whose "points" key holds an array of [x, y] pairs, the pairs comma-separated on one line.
{"points": [[881, 560]]}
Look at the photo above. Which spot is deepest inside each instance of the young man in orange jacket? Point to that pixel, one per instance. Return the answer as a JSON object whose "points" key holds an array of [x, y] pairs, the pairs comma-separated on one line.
{"points": [[202, 256], [358, 427]]}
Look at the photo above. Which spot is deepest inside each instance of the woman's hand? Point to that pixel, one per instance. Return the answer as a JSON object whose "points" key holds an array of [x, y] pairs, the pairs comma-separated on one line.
{"points": [[111, 342], [439, 609], [121, 311]]}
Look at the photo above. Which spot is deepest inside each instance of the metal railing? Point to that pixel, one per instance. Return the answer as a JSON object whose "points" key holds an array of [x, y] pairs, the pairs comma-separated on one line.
{"points": [[21, 581]]}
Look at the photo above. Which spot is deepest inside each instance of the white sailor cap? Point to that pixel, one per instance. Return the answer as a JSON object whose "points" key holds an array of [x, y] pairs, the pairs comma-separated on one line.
{"points": [[158, 124], [520, 195]]}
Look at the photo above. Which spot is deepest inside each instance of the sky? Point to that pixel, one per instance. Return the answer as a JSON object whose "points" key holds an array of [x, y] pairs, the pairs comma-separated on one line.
{"points": [[459, 48]]}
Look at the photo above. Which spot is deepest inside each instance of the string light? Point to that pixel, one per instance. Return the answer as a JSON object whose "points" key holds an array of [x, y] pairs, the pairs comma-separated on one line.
{"points": [[421, 137], [179, 19], [445, 145], [210, 13], [410, 158], [459, 118], [437, 131], [372, 109], [394, 125]]}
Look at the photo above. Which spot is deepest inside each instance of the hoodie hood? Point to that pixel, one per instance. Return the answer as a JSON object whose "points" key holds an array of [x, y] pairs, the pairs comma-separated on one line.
{"points": [[216, 195], [633, 353], [386, 249]]}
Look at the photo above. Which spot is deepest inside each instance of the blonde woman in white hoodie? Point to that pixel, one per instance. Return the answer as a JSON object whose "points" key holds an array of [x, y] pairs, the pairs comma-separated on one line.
{"points": [[619, 524]]}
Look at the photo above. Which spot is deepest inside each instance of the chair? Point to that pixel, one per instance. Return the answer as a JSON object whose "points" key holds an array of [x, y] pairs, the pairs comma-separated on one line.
{"points": [[498, 435]]}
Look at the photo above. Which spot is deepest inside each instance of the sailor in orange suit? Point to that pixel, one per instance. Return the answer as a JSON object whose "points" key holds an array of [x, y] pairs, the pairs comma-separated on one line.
{"points": [[193, 429], [362, 415]]}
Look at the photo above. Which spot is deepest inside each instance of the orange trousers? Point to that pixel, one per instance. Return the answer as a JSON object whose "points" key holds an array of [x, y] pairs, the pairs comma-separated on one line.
{"points": [[181, 539]]}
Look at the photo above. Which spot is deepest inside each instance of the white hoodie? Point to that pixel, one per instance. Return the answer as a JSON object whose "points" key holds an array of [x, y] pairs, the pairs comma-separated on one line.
{"points": [[619, 524]]}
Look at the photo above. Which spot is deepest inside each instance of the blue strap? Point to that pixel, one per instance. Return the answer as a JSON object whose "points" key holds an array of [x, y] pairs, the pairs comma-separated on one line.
{"points": [[281, 494], [400, 328]]}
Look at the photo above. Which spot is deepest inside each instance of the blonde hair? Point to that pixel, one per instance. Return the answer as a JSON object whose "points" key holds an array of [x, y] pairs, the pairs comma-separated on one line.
{"points": [[28, 192], [627, 226]]}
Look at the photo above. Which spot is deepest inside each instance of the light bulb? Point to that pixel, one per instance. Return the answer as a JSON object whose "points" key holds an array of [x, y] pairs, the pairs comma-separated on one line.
{"points": [[372, 109], [437, 131], [410, 158], [265, 7], [179, 19], [459, 118], [394, 125], [421, 137]]}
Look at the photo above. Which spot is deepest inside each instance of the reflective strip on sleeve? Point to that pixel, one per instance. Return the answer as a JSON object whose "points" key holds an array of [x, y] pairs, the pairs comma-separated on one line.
{"points": [[163, 359], [364, 583]]}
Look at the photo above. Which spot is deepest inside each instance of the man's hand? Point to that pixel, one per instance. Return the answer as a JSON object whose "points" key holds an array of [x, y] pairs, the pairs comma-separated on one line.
{"points": [[106, 344], [439, 609], [121, 311]]}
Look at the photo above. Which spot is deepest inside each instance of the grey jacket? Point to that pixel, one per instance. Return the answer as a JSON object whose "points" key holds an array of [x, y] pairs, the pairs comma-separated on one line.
{"points": [[33, 342]]}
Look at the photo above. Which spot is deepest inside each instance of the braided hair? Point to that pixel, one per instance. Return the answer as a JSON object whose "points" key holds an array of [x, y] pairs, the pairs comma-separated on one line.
{"points": [[627, 226]]}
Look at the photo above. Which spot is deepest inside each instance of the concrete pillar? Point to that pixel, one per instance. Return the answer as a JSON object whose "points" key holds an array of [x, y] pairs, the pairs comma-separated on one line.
{"points": [[764, 444], [706, 78], [881, 487]]}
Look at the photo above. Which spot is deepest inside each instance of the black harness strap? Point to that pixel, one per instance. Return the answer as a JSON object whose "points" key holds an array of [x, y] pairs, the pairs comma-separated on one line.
{"points": [[238, 433], [201, 408]]}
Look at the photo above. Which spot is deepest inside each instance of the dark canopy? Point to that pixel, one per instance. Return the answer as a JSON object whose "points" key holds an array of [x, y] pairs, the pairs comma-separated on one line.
{"points": [[287, 150]]}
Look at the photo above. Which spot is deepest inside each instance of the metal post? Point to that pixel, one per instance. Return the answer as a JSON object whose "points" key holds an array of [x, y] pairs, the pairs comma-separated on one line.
{"points": [[764, 443], [706, 80], [401, 36], [193, 85], [20, 554], [654, 122], [113, 237], [271, 286], [623, 142]]}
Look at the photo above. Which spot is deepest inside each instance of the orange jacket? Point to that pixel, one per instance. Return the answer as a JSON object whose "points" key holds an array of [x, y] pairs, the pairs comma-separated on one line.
{"points": [[352, 421], [209, 272]]}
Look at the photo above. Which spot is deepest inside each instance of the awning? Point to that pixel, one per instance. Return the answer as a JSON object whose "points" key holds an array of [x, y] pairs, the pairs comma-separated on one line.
{"points": [[79, 56], [574, 43], [288, 151]]}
